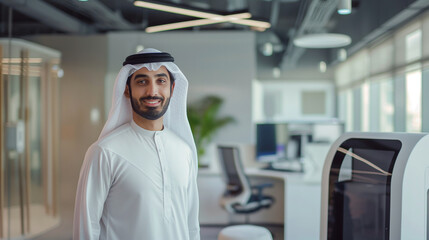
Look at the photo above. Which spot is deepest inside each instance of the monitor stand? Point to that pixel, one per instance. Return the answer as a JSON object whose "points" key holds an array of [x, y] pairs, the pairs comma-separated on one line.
{"points": [[286, 166]]}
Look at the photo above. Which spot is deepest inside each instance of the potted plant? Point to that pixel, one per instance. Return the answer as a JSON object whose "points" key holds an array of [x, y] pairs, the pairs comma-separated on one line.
{"points": [[204, 121]]}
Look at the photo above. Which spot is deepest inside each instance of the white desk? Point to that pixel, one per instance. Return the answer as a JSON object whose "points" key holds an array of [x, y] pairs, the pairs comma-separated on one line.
{"points": [[300, 211]]}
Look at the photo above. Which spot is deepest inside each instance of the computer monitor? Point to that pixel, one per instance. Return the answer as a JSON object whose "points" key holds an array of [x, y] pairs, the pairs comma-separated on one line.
{"points": [[278, 142], [270, 141]]}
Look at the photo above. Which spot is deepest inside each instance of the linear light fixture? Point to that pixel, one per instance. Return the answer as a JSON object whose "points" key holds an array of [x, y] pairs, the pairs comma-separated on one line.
{"points": [[177, 10], [198, 22], [215, 18], [252, 23]]}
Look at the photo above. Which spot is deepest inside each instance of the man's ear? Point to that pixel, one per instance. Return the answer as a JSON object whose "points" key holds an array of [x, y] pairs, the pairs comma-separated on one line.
{"points": [[127, 91], [172, 88]]}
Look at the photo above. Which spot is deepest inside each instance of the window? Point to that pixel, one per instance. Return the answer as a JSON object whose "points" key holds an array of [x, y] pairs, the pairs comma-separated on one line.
{"points": [[413, 101], [365, 107], [413, 46], [387, 109], [342, 105], [349, 108]]}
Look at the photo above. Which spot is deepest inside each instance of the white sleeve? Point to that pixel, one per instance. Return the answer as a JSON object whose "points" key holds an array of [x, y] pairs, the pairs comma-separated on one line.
{"points": [[92, 190], [193, 203]]}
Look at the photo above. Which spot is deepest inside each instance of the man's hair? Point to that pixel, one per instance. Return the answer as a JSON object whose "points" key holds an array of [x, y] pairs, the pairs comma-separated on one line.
{"points": [[169, 74]]}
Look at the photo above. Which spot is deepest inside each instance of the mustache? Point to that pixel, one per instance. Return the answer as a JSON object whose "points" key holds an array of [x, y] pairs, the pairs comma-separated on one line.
{"points": [[151, 98]]}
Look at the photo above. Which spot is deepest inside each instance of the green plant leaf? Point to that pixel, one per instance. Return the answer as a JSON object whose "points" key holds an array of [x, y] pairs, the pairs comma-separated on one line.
{"points": [[204, 121]]}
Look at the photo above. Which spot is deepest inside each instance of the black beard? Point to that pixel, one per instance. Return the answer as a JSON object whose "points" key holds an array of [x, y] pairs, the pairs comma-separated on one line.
{"points": [[151, 113]]}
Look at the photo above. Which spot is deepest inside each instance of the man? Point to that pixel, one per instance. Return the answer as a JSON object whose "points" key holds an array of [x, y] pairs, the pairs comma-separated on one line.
{"points": [[138, 181]]}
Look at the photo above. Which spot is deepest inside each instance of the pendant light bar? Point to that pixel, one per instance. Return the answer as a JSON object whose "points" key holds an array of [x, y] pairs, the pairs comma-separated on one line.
{"points": [[176, 10], [252, 23], [214, 18], [199, 22]]}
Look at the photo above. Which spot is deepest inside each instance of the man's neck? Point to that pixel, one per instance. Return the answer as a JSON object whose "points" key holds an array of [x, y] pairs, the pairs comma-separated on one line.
{"points": [[151, 125]]}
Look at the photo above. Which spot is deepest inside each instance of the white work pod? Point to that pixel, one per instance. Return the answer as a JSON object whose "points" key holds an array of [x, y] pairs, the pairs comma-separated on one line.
{"points": [[375, 187]]}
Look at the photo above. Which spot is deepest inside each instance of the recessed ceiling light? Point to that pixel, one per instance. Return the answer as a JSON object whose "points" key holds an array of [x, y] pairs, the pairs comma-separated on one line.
{"points": [[267, 49], [322, 40], [342, 54], [276, 72], [322, 66], [344, 7]]}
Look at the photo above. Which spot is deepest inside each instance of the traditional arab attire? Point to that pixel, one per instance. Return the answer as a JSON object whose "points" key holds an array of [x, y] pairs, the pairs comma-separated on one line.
{"points": [[135, 183]]}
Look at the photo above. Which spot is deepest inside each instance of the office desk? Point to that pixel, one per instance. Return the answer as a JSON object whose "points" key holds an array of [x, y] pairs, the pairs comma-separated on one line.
{"points": [[299, 210]]}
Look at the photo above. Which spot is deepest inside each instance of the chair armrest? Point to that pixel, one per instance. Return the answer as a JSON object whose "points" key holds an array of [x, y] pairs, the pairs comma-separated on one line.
{"points": [[262, 186], [259, 188]]}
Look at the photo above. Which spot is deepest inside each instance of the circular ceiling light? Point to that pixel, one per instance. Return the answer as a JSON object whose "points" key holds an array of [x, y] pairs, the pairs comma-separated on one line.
{"points": [[267, 49], [322, 40]]}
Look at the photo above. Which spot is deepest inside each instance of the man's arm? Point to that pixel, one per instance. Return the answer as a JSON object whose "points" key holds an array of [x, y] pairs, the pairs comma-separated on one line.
{"points": [[92, 190], [193, 202]]}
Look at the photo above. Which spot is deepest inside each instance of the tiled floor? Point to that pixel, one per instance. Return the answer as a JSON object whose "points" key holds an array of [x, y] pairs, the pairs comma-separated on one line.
{"points": [[39, 221], [209, 232]]}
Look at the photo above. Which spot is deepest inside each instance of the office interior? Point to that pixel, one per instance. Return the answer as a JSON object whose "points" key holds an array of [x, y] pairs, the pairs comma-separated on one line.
{"points": [[60, 60]]}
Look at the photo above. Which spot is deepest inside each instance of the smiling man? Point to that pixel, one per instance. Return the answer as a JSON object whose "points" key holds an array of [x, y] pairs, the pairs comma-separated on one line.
{"points": [[150, 92], [138, 181]]}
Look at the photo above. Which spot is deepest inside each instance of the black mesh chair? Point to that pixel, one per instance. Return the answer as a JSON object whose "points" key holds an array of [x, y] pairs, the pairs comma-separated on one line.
{"points": [[240, 197]]}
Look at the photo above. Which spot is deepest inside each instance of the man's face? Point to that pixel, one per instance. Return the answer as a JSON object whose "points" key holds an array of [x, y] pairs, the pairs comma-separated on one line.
{"points": [[150, 92]]}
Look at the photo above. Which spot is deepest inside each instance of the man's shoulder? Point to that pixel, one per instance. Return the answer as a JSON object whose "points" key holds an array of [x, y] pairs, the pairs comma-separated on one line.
{"points": [[116, 138], [110, 146]]}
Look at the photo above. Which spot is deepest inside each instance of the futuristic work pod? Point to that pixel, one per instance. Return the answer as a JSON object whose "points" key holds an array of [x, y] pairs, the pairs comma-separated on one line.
{"points": [[375, 187]]}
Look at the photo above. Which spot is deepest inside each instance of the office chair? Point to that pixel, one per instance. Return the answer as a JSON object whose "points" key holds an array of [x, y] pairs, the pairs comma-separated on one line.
{"points": [[240, 197]]}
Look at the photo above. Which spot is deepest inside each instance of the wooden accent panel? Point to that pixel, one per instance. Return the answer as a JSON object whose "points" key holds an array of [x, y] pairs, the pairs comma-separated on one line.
{"points": [[27, 152], [53, 91], [1, 144]]}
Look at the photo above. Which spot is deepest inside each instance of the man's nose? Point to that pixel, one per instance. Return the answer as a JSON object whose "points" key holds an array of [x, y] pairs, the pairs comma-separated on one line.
{"points": [[152, 90]]}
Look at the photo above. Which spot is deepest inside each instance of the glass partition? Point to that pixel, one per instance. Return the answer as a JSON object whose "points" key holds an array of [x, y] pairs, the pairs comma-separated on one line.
{"points": [[29, 159]]}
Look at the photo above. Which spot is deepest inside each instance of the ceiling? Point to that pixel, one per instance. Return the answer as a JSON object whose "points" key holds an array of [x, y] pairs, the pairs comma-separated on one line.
{"points": [[369, 20]]}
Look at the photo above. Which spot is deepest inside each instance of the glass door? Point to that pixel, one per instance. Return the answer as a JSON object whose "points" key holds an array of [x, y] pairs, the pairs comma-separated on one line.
{"points": [[29, 85]]}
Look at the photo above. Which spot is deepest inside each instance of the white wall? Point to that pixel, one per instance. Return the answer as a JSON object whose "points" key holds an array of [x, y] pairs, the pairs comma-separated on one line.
{"points": [[282, 100]]}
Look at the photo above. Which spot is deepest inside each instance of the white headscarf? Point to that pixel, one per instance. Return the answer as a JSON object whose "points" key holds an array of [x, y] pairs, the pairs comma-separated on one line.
{"points": [[175, 119]]}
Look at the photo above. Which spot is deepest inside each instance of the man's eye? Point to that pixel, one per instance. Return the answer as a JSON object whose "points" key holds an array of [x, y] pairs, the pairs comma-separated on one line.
{"points": [[141, 81], [162, 80]]}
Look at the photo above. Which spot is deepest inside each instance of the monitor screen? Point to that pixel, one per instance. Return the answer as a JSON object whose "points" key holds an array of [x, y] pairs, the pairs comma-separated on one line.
{"points": [[288, 140], [266, 141], [276, 142]]}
